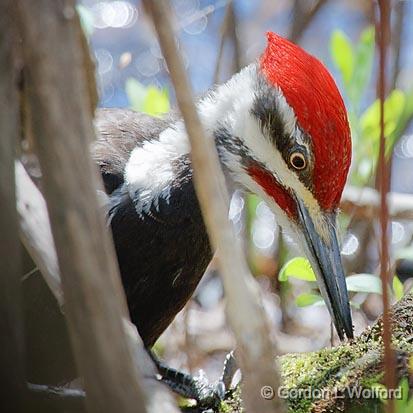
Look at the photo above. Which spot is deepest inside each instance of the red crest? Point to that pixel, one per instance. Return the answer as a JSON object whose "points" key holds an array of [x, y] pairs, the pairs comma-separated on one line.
{"points": [[312, 93]]}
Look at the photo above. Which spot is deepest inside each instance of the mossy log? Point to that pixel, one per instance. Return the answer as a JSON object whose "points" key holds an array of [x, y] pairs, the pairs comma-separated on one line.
{"points": [[333, 380]]}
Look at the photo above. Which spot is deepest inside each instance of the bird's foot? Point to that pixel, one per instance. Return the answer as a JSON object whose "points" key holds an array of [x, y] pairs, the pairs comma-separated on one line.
{"points": [[208, 396]]}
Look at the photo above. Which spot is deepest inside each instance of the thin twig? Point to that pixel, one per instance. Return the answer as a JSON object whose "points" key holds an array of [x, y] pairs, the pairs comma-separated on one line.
{"points": [[233, 34], [397, 40], [389, 361], [202, 13], [302, 18], [188, 340], [244, 308], [364, 203], [224, 34], [62, 398], [228, 31]]}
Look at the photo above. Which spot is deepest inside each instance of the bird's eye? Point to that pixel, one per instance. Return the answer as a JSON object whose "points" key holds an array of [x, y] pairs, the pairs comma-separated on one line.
{"points": [[298, 161]]}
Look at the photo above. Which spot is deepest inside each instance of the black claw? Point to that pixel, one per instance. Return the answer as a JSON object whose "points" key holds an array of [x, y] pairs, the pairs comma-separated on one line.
{"points": [[207, 396], [229, 371]]}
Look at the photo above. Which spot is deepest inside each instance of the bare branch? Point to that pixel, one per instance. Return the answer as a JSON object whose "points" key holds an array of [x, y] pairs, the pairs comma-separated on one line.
{"points": [[397, 40], [61, 398], [95, 306], [35, 231], [365, 203], [224, 34], [228, 30], [383, 170], [302, 17], [11, 328], [244, 308]]}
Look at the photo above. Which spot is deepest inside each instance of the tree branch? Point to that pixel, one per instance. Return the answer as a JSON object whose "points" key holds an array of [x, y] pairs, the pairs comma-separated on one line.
{"points": [[11, 326], [365, 203], [244, 307], [95, 306], [35, 231], [383, 171], [58, 397], [302, 17], [228, 30]]}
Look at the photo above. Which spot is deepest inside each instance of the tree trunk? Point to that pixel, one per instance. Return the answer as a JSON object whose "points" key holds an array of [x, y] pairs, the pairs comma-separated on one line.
{"points": [[12, 354], [60, 109]]}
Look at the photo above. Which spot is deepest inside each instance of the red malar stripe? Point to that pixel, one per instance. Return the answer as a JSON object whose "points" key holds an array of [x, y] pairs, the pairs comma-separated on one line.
{"points": [[274, 189]]}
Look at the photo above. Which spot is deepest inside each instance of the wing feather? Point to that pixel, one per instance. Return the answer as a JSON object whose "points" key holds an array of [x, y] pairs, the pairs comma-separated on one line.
{"points": [[118, 132]]}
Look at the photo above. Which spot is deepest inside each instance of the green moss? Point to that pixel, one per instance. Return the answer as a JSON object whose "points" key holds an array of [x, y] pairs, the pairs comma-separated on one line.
{"points": [[356, 365], [371, 381], [224, 407], [332, 371], [232, 404]]}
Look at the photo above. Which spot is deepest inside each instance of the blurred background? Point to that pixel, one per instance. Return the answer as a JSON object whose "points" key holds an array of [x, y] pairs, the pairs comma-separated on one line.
{"points": [[217, 38]]}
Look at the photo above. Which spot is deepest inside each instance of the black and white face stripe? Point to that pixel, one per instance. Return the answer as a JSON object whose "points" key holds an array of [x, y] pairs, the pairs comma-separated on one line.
{"points": [[262, 131], [226, 142], [264, 128], [287, 139], [252, 123]]}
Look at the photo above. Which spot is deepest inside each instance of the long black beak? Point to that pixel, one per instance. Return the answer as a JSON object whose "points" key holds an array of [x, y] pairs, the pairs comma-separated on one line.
{"points": [[324, 256]]}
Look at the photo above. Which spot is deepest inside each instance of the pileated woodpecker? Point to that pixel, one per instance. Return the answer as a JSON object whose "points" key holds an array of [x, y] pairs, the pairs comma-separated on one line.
{"points": [[281, 131]]}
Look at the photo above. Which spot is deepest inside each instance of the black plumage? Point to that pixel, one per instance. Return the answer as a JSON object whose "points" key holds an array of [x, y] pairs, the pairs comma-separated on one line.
{"points": [[163, 253]]}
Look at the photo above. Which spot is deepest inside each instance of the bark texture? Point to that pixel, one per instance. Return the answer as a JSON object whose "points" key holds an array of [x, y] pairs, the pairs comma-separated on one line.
{"points": [[11, 337], [60, 110]]}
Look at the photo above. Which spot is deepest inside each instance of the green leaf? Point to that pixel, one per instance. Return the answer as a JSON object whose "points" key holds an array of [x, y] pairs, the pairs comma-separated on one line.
{"points": [[136, 93], [380, 390], [251, 202], [364, 283], [298, 267], [405, 387], [156, 101], [363, 65], [403, 404], [398, 287], [307, 299], [403, 120], [370, 120], [149, 100], [342, 53], [316, 300], [365, 168], [405, 253], [86, 19]]}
